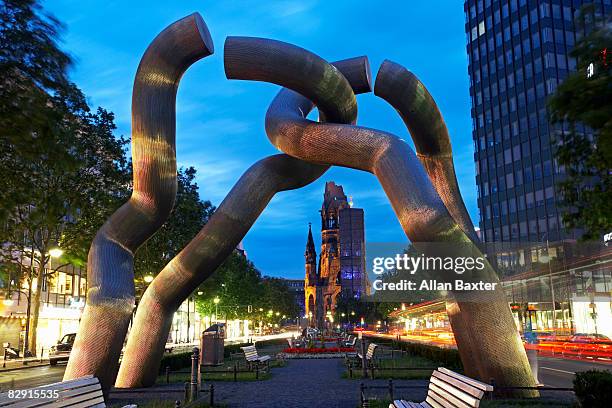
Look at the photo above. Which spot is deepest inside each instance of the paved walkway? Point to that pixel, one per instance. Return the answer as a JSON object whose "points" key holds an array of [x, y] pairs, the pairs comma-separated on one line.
{"points": [[300, 384]]}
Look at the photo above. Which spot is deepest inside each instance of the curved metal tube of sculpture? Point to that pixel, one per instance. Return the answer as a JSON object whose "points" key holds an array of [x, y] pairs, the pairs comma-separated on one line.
{"points": [[419, 208], [417, 108], [228, 225], [110, 295]]}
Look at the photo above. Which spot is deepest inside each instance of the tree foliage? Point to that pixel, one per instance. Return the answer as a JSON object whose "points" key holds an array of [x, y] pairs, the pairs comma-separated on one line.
{"points": [[583, 105], [187, 218], [238, 284], [58, 159]]}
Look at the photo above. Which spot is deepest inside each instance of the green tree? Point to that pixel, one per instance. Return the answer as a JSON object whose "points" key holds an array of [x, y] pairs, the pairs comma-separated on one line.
{"points": [[57, 158], [584, 99], [237, 284], [187, 218], [278, 297]]}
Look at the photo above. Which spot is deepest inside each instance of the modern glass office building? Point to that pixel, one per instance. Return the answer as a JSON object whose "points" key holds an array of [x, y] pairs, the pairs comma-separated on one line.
{"points": [[518, 53]]}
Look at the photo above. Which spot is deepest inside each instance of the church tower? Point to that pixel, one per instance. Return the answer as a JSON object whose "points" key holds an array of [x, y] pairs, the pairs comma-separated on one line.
{"points": [[311, 260], [334, 200], [340, 270]]}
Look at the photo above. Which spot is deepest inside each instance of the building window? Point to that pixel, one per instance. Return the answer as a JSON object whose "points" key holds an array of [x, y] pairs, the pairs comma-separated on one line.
{"points": [[529, 200]]}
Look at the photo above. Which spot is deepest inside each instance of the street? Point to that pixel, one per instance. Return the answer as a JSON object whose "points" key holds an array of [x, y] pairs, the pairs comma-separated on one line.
{"points": [[559, 372], [39, 375], [31, 377]]}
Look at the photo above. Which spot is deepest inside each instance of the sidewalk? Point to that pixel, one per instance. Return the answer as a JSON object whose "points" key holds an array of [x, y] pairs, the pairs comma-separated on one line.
{"points": [[18, 364], [301, 384]]}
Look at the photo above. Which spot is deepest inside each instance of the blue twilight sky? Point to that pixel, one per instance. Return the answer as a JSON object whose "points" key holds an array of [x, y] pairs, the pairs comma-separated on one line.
{"points": [[220, 123]]}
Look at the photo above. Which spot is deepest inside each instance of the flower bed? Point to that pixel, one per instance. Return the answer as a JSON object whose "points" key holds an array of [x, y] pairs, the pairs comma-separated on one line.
{"points": [[331, 352], [316, 350]]}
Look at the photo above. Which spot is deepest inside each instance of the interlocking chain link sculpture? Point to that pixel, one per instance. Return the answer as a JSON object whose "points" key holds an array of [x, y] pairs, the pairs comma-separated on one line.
{"points": [[422, 189]]}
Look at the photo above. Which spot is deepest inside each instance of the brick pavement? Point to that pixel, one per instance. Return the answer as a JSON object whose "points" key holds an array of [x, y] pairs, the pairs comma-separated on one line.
{"points": [[300, 384]]}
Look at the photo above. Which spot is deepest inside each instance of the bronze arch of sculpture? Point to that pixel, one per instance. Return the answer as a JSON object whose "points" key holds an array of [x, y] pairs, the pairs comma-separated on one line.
{"points": [[426, 200], [420, 210], [110, 293]]}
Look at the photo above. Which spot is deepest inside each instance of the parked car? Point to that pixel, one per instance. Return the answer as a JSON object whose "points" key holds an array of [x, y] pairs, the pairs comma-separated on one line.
{"points": [[61, 351]]}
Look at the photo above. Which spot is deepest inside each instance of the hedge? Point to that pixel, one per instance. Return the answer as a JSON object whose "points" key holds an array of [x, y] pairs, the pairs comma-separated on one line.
{"points": [[447, 357], [175, 361], [593, 388]]}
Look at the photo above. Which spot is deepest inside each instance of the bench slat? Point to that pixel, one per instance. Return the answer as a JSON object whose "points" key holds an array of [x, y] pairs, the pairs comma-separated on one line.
{"points": [[475, 383], [93, 389], [81, 404], [66, 402], [432, 399], [69, 384], [78, 393], [465, 387], [456, 402], [26, 402], [60, 386], [456, 392]]}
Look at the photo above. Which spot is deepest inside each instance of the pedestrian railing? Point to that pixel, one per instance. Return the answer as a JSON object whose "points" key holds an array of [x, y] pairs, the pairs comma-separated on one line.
{"points": [[391, 389]]}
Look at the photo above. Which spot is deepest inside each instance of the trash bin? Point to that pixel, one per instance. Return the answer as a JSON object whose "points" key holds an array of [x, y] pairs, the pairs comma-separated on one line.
{"points": [[212, 345]]}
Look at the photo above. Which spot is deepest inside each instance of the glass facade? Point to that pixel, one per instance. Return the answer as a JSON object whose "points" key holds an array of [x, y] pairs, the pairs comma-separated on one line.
{"points": [[518, 52]]}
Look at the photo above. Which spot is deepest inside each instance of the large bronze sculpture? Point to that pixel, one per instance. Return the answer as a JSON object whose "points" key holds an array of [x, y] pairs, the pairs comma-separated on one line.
{"points": [[422, 190], [226, 227]]}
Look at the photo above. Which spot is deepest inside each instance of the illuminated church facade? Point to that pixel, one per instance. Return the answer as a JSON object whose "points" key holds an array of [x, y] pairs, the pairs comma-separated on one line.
{"points": [[339, 271]]}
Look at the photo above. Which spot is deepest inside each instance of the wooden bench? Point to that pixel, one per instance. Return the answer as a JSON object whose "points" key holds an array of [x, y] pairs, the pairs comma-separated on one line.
{"points": [[251, 356], [349, 342], [295, 343], [82, 392], [447, 389], [369, 354]]}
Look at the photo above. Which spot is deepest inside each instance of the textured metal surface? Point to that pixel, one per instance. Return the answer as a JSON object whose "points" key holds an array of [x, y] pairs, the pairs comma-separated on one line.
{"points": [[420, 210], [417, 108], [409, 96], [110, 295], [230, 223]]}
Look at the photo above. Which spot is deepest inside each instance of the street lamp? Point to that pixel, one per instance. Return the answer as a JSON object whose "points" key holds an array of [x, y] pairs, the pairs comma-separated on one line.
{"points": [[200, 293], [148, 278], [56, 252], [216, 301]]}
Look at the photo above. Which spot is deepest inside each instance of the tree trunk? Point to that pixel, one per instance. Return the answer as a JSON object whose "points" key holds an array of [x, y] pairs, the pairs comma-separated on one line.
{"points": [[35, 304]]}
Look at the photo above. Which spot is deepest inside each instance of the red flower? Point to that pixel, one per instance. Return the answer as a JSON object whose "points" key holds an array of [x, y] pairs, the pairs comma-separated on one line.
{"points": [[297, 350]]}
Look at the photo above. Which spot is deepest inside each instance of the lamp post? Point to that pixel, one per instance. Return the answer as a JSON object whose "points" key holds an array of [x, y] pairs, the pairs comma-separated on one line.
{"points": [[216, 301]]}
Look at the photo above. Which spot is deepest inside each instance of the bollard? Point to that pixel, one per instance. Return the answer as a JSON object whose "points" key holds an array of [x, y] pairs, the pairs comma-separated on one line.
{"points": [[167, 374], [235, 373], [362, 393], [391, 390], [42, 350], [4, 363], [257, 371], [195, 369], [212, 395], [350, 367]]}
